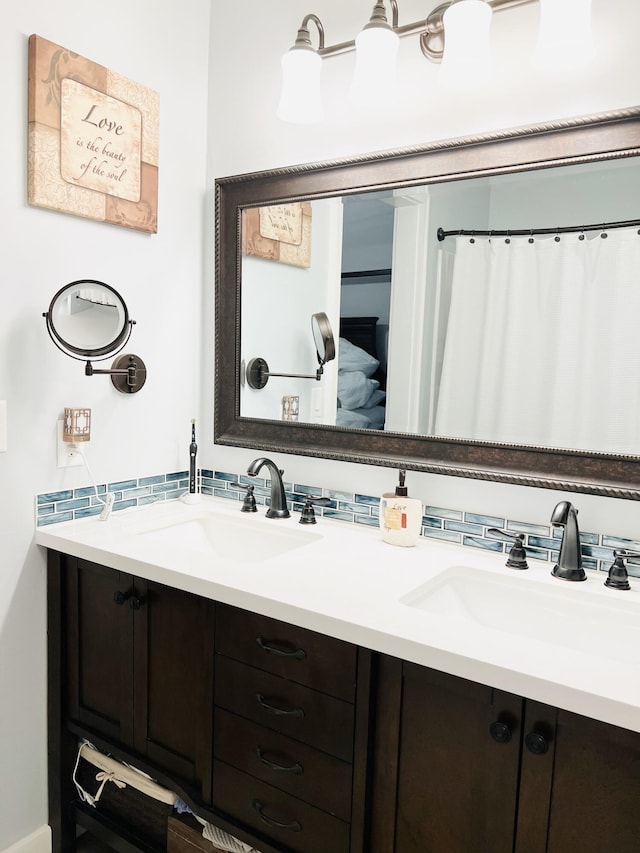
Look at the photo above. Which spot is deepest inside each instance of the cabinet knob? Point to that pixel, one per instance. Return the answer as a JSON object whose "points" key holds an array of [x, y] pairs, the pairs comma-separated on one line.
{"points": [[294, 825], [120, 597], [500, 732], [136, 602], [280, 651], [536, 743]]}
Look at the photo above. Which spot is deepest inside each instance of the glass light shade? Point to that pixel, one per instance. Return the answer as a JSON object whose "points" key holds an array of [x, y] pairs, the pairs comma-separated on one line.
{"points": [[565, 39], [375, 73], [301, 96], [466, 63]]}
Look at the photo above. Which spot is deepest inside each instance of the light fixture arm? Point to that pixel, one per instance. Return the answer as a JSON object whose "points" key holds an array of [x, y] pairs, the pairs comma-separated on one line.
{"points": [[431, 30]]}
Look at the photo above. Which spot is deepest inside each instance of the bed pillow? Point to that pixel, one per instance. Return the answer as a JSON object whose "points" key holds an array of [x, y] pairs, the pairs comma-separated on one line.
{"points": [[355, 389], [352, 358]]}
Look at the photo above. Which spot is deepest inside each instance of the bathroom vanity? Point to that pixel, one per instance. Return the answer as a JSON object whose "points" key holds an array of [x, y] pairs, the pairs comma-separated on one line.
{"points": [[307, 706]]}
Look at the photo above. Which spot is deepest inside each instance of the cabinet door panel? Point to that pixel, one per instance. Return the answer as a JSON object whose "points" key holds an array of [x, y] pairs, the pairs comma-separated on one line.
{"points": [[173, 633], [595, 790], [457, 786], [100, 639]]}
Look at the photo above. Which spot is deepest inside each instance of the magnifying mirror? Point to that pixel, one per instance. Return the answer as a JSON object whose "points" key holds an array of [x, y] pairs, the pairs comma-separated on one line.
{"points": [[88, 320], [258, 372]]}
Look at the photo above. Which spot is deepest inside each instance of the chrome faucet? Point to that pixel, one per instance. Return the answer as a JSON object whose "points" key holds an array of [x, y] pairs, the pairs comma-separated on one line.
{"points": [[569, 565], [278, 503]]}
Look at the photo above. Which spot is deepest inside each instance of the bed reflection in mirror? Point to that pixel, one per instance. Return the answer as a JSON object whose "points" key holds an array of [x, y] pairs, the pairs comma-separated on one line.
{"points": [[525, 339]]}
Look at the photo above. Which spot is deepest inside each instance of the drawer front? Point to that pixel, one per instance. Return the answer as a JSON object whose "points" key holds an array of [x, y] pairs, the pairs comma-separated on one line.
{"points": [[283, 819], [298, 712], [306, 773], [295, 653]]}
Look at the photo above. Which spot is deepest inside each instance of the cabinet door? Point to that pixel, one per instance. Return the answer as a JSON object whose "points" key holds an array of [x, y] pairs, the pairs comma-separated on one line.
{"points": [[580, 785], [457, 765], [99, 649], [173, 677]]}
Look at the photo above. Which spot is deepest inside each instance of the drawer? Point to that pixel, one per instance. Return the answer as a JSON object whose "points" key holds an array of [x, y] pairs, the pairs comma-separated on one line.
{"points": [[298, 654], [283, 819], [291, 709], [313, 776]]}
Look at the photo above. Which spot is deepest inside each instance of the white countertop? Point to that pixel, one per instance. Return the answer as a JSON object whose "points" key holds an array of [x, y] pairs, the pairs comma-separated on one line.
{"points": [[349, 584]]}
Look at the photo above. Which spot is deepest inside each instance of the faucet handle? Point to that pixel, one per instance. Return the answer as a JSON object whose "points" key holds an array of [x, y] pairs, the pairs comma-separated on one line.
{"points": [[517, 558], [308, 516], [618, 577], [249, 502]]}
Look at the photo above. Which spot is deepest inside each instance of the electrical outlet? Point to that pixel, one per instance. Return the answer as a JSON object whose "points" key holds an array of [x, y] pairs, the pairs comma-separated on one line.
{"points": [[3, 426], [68, 457]]}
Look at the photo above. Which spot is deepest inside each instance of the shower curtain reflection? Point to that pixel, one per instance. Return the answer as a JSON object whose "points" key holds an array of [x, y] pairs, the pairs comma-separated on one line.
{"points": [[539, 347]]}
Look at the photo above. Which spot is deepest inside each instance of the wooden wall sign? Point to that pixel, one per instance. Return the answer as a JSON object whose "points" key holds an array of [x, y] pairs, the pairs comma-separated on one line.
{"points": [[93, 139], [279, 232]]}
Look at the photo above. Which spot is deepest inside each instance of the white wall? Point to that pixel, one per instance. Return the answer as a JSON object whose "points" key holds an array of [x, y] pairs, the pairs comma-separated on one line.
{"points": [[256, 139], [163, 45]]}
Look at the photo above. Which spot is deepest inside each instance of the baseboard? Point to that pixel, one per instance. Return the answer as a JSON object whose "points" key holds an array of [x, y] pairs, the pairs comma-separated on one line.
{"points": [[38, 842]]}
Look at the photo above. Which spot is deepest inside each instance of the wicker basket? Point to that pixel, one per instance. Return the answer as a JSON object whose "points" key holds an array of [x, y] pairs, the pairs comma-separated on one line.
{"points": [[121, 793]]}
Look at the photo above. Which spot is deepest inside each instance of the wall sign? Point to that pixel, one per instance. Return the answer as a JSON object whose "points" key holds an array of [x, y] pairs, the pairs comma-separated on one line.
{"points": [[280, 232], [93, 139]]}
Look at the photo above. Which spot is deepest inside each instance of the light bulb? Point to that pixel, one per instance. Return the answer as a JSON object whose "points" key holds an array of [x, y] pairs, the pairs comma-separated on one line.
{"points": [[466, 63], [375, 72], [301, 96]]}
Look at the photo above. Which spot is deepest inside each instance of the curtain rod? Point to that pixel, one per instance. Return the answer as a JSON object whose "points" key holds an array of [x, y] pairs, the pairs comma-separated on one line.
{"points": [[531, 232]]}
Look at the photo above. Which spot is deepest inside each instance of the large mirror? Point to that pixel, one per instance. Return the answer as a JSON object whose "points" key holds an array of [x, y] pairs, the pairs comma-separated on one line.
{"points": [[506, 353]]}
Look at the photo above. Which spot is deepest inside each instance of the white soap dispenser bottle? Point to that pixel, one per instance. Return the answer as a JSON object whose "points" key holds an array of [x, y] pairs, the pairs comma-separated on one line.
{"points": [[400, 516]]}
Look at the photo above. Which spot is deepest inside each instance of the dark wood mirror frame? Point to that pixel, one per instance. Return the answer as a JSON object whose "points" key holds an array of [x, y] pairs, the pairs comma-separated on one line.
{"points": [[593, 138]]}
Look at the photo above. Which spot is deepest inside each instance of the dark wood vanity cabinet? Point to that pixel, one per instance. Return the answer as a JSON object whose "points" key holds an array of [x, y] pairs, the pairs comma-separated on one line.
{"points": [[470, 768], [300, 743]]}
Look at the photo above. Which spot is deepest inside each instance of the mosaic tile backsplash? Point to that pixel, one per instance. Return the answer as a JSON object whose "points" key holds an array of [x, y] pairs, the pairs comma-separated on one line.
{"points": [[461, 527]]}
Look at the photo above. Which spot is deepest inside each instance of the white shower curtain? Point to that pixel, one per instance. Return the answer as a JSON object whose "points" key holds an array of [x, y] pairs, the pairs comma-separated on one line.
{"points": [[542, 342]]}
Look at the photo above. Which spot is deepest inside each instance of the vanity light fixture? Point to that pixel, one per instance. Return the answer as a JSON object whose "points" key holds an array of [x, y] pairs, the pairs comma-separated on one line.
{"points": [[455, 33], [258, 373], [88, 320]]}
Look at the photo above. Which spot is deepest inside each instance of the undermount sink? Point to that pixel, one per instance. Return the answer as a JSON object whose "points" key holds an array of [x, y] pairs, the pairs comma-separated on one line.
{"points": [[555, 612], [245, 539]]}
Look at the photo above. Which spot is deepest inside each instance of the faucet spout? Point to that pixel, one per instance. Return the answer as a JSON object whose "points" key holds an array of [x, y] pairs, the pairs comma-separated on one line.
{"points": [[278, 503], [569, 565]]}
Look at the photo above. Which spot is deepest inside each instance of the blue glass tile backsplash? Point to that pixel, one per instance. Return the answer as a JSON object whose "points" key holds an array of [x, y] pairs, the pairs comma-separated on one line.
{"points": [[462, 527]]}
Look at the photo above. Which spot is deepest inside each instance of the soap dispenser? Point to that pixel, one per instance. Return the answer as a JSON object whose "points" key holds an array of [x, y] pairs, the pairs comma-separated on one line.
{"points": [[400, 516]]}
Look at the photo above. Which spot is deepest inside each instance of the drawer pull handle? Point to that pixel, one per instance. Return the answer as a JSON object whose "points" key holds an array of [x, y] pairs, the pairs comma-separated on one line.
{"points": [[296, 654], [279, 712], [273, 765], [294, 825]]}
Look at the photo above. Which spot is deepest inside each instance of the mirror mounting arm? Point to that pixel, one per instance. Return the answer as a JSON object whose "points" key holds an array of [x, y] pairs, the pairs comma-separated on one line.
{"points": [[258, 374], [128, 373]]}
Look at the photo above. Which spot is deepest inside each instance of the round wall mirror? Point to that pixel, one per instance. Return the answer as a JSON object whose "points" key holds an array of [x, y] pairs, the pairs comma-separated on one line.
{"points": [[89, 320], [323, 337]]}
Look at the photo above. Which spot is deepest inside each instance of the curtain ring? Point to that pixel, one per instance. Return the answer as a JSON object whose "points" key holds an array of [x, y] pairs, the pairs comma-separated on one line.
{"points": [[603, 234], [490, 233], [581, 237], [508, 237], [557, 237], [473, 237], [531, 240]]}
